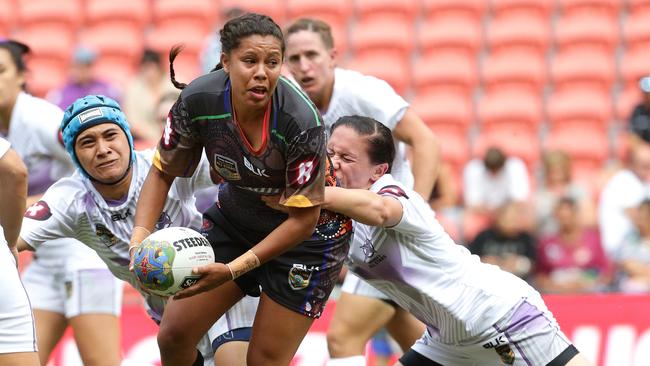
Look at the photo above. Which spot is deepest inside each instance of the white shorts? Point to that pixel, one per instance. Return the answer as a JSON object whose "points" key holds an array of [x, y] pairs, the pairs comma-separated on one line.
{"points": [[73, 291], [527, 335], [235, 324], [17, 333], [353, 284]]}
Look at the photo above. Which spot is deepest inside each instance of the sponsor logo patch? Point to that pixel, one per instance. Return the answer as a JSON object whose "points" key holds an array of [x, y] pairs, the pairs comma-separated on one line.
{"points": [[90, 114]]}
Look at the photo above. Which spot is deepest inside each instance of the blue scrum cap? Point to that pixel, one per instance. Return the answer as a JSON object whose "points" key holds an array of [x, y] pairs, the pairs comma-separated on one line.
{"points": [[87, 112]]}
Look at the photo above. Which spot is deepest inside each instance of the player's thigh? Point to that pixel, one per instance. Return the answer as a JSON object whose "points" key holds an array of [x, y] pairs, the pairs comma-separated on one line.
{"points": [[277, 333], [359, 317], [405, 328], [231, 353], [98, 338], [49, 330], [19, 359]]}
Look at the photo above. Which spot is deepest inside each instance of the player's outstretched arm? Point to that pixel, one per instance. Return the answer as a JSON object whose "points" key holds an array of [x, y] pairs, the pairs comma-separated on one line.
{"points": [[425, 149], [364, 206], [13, 192], [150, 203]]}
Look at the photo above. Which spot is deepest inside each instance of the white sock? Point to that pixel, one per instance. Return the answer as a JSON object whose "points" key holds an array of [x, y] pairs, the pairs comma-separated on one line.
{"points": [[347, 361]]}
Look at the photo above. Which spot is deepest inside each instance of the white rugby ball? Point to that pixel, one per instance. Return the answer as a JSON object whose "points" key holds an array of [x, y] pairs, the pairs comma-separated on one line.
{"points": [[163, 262]]}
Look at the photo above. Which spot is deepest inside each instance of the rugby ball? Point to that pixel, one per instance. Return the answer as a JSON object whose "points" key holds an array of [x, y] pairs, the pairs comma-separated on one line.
{"points": [[163, 262]]}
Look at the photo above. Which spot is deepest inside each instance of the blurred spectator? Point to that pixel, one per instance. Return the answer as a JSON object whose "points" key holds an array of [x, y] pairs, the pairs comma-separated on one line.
{"points": [[143, 94], [633, 256], [211, 53], [82, 81], [571, 259], [559, 183], [622, 194], [506, 243], [640, 119]]}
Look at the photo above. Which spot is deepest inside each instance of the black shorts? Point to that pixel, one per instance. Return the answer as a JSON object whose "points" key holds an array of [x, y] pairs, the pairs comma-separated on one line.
{"points": [[301, 279]]}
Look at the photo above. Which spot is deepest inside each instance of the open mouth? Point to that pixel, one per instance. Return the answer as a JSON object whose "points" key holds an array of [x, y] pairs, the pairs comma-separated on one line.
{"points": [[258, 91], [307, 81]]}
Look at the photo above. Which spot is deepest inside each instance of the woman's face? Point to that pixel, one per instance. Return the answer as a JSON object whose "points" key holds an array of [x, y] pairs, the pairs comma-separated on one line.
{"points": [[103, 151], [349, 154], [11, 80], [254, 68]]}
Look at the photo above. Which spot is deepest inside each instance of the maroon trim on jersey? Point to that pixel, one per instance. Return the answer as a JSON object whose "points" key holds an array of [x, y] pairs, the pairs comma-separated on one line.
{"points": [[393, 190], [265, 128], [38, 211]]}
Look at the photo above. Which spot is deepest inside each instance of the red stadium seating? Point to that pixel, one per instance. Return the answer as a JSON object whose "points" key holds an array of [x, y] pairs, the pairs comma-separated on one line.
{"points": [[588, 153], [635, 64], [187, 63], [608, 8], [626, 101], [199, 14], [44, 75], [636, 34], [407, 10], [54, 16], [445, 72], [394, 70], [334, 12], [450, 34], [132, 14], [520, 143], [526, 8], [586, 31], [436, 9], [448, 113], [638, 6], [582, 108], [518, 70], [512, 109], [387, 35], [583, 69], [531, 34], [7, 17], [118, 46], [54, 49], [274, 8]]}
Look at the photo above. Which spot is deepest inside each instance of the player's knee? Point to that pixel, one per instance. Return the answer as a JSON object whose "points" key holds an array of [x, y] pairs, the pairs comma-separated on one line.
{"points": [[267, 356], [170, 337], [337, 341]]}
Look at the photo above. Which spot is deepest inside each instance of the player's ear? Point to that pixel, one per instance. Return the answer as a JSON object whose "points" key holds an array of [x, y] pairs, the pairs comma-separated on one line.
{"points": [[333, 54], [378, 171], [225, 62]]}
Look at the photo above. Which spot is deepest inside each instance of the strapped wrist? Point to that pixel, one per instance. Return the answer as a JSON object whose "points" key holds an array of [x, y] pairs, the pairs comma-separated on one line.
{"points": [[242, 264]]}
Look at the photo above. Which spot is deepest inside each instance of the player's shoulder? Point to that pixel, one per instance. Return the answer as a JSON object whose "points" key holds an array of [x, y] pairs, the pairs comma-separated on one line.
{"points": [[355, 83], [388, 185], [293, 106], [36, 111], [66, 191], [207, 94]]}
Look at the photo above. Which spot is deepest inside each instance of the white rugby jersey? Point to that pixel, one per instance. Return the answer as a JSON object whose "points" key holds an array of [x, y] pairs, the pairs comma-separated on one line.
{"points": [[419, 266], [358, 94], [72, 207], [34, 134], [4, 147]]}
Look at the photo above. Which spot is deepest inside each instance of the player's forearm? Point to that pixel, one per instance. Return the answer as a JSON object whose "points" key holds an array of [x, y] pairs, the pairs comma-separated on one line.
{"points": [[151, 202], [360, 205], [13, 193], [426, 163]]}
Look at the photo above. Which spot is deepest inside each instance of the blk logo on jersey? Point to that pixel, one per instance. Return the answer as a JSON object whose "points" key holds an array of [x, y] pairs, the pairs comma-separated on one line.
{"points": [[393, 191], [254, 169], [38, 211], [302, 172], [169, 139]]}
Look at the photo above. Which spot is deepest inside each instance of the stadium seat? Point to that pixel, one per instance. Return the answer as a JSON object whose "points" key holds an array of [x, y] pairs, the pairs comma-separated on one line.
{"points": [[115, 43], [636, 31], [56, 48], [519, 143], [54, 16], [638, 6], [163, 38], [117, 72], [608, 8], [335, 12], [200, 14], [8, 17], [625, 103], [588, 153], [514, 70], [583, 108], [585, 30], [526, 8], [392, 69], [519, 32], [407, 10], [445, 72], [132, 14], [512, 109], [454, 151], [44, 75], [383, 34], [450, 34], [583, 69], [444, 113], [274, 8], [436, 9], [634, 65]]}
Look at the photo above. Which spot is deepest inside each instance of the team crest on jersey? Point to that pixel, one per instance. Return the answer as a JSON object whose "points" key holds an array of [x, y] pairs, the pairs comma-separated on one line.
{"points": [[368, 248], [300, 276], [163, 221], [169, 139], [393, 191], [506, 354], [68, 289], [226, 167], [38, 211], [303, 171], [105, 236]]}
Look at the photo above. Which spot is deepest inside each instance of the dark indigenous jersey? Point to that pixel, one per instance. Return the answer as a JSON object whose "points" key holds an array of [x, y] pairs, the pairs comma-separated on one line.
{"points": [[291, 161]]}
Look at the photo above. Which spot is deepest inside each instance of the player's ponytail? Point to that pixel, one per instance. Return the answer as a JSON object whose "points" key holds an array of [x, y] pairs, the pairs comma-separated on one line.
{"points": [[172, 76]]}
